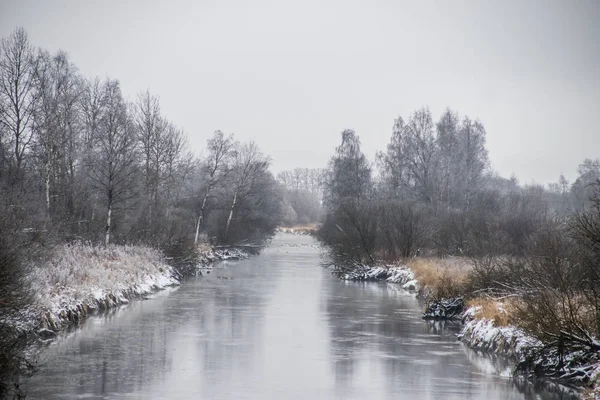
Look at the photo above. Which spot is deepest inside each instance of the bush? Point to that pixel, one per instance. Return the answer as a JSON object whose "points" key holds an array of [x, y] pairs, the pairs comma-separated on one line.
{"points": [[16, 248]]}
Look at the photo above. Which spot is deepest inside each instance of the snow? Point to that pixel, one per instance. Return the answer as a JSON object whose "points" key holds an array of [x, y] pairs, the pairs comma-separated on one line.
{"points": [[390, 273], [301, 230], [482, 334], [511, 341], [78, 279]]}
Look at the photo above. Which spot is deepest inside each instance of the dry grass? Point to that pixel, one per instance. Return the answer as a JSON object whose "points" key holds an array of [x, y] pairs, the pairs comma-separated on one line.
{"points": [[441, 277], [501, 312], [80, 267]]}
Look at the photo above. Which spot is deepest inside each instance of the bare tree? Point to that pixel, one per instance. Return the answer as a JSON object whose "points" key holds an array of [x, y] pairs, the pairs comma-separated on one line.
{"points": [[18, 94], [221, 150], [56, 125], [449, 155], [114, 169], [474, 157], [151, 128], [248, 164]]}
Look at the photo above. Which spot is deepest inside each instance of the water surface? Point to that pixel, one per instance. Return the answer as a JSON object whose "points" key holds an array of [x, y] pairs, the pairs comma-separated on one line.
{"points": [[275, 326]]}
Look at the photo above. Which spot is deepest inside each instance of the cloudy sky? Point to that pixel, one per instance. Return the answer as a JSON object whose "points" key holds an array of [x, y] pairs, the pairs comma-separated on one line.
{"points": [[293, 74]]}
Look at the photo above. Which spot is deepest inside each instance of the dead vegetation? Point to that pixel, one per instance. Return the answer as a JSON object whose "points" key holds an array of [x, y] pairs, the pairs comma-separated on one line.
{"points": [[441, 277], [500, 312]]}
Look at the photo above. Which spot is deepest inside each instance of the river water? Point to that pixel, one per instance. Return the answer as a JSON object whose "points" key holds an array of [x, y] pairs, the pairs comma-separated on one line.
{"points": [[275, 326]]}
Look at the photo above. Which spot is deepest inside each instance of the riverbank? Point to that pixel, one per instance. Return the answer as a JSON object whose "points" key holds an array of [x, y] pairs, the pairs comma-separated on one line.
{"points": [[74, 281], [77, 280], [310, 229], [487, 325]]}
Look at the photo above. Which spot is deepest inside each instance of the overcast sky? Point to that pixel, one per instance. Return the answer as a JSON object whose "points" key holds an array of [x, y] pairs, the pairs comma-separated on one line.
{"points": [[293, 75]]}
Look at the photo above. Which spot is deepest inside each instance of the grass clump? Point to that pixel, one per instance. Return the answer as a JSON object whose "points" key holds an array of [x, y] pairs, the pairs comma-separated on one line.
{"points": [[502, 313], [441, 277]]}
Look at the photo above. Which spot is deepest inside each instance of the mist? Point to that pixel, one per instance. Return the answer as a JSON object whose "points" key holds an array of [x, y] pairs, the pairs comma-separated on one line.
{"points": [[288, 75], [447, 152]]}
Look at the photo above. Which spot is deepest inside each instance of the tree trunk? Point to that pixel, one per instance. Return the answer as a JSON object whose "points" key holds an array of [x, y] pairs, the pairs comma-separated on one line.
{"points": [[197, 229], [47, 183], [107, 236], [201, 216], [233, 203]]}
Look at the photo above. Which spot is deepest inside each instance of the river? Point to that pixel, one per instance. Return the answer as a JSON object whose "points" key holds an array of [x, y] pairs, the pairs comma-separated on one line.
{"points": [[275, 326]]}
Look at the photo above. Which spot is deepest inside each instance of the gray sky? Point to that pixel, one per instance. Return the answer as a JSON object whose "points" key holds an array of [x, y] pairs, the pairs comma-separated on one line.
{"points": [[293, 75]]}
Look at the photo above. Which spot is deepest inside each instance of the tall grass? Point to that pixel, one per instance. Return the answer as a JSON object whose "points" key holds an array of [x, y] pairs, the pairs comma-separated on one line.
{"points": [[441, 277], [80, 268]]}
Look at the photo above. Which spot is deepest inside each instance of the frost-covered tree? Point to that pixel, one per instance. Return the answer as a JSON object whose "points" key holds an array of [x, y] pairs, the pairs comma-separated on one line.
{"points": [[56, 138], [115, 155], [215, 168], [474, 158], [18, 99], [247, 167], [349, 172]]}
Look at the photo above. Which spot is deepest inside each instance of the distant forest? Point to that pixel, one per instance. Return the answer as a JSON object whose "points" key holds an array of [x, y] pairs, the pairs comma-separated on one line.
{"points": [[432, 191], [78, 162]]}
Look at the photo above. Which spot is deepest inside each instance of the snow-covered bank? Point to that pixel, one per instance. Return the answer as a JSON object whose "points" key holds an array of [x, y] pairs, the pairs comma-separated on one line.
{"points": [[482, 334], [298, 230], [76, 280], [532, 358], [401, 275], [494, 332]]}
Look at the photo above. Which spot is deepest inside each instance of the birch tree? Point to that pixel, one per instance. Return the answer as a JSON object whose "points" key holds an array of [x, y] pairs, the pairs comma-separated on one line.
{"points": [[221, 150], [248, 165], [56, 126], [449, 156], [151, 128], [115, 155], [393, 162], [19, 97]]}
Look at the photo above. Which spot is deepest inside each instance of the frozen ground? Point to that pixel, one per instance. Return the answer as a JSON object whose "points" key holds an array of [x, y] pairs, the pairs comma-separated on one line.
{"points": [[511, 341], [390, 273], [78, 279], [482, 334]]}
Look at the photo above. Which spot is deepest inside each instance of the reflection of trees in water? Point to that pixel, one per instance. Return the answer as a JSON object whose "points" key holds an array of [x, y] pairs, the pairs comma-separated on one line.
{"points": [[377, 334], [232, 314], [364, 320], [493, 364], [128, 351], [136, 347]]}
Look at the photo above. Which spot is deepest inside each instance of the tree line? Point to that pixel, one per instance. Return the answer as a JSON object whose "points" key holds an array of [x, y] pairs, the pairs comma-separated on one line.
{"points": [[302, 195], [80, 162], [432, 191]]}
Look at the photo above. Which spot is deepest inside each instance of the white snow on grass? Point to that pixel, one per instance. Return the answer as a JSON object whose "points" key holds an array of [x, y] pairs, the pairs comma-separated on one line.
{"points": [[482, 334], [79, 278], [390, 273]]}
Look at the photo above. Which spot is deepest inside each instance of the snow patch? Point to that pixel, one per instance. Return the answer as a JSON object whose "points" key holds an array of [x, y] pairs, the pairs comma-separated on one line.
{"points": [[393, 274], [510, 341]]}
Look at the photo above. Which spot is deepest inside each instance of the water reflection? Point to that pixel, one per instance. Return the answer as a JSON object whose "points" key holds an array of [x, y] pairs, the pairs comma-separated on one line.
{"points": [[275, 326]]}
